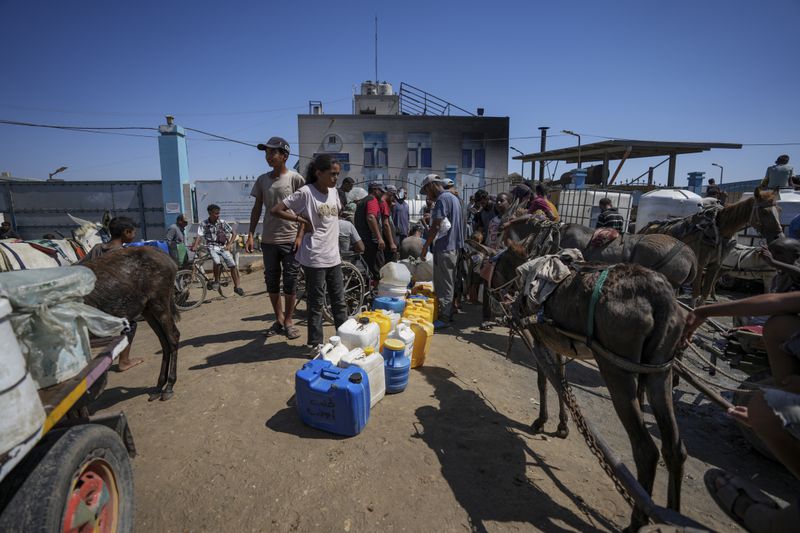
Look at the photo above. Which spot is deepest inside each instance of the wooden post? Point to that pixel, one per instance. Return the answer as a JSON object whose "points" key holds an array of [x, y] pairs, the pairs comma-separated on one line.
{"points": [[604, 179], [650, 176], [673, 158]]}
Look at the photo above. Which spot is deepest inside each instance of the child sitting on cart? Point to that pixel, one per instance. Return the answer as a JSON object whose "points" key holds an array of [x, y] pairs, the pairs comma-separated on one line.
{"points": [[123, 231]]}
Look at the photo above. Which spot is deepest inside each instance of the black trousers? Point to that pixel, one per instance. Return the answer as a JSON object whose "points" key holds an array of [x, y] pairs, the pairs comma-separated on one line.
{"points": [[374, 258], [320, 281]]}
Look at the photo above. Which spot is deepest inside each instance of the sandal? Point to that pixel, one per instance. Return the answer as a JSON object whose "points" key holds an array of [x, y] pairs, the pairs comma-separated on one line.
{"points": [[728, 495], [274, 329], [292, 332]]}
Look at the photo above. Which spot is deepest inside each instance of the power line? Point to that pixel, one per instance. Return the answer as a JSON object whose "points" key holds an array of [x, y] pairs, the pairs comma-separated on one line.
{"points": [[203, 114]]}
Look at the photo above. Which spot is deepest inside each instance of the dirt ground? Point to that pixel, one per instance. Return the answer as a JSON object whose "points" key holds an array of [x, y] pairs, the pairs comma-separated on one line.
{"points": [[451, 453]]}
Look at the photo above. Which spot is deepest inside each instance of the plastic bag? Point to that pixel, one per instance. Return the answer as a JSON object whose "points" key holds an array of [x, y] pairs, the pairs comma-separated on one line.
{"points": [[51, 322]]}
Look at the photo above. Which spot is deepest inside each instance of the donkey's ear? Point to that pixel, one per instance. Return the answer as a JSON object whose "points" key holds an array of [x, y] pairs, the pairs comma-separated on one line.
{"points": [[757, 193]]}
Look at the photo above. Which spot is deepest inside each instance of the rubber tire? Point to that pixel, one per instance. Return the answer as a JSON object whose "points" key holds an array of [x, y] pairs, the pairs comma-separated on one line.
{"points": [[200, 288], [38, 504]]}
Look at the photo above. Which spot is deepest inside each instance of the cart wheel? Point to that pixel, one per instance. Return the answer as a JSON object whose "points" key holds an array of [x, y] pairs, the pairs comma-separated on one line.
{"points": [[190, 290], [355, 288], [80, 482]]}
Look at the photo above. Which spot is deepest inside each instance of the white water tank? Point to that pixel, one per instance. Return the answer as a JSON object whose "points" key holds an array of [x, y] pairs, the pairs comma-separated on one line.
{"points": [[663, 204], [369, 88], [385, 89]]}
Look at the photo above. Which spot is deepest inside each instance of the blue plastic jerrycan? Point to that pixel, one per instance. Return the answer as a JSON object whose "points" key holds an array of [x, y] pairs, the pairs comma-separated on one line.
{"points": [[333, 399]]}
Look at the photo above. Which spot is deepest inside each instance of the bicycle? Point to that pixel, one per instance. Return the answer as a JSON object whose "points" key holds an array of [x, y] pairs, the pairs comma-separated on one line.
{"points": [[192, 284], [357, 286]]}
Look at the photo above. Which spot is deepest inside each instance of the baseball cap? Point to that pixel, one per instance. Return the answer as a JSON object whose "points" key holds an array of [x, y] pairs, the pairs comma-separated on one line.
{"points": [[447, 183], [275, 142], [376, 185], [391, 189], [430, 178]]}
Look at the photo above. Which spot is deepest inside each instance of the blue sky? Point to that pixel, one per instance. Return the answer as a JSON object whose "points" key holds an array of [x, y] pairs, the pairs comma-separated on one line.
{"points": [[682, 70]]}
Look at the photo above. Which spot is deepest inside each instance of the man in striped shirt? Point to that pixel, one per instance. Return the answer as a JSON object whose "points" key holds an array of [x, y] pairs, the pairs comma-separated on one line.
{"points": [[610, 217]]}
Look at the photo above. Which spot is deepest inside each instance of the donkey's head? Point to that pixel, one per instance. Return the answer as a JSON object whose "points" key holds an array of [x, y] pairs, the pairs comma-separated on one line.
{"points": [[88, 234]]}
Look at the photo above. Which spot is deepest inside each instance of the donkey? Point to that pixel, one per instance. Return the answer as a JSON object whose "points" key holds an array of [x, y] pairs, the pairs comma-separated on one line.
{"points": [[711, 247], [661, 253], [635, 318], [139, 281]]}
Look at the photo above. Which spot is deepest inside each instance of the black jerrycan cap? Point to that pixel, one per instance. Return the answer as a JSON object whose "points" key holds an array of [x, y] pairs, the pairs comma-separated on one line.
{"points": [[355, 378], [363, 321]]}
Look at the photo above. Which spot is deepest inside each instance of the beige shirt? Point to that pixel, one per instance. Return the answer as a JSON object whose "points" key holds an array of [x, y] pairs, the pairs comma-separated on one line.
{"points": [[271, 191]]}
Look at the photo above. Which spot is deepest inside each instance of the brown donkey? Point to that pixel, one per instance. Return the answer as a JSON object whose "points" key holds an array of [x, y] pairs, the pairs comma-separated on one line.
{"points": [[635, 318], [140, 281], [713, 245]]}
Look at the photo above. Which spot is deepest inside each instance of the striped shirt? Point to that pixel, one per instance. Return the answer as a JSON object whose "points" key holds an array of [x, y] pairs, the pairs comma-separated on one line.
{"points": [[610, 218]]}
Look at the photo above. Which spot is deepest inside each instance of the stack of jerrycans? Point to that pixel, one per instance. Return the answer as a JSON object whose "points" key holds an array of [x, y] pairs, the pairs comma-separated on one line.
{"points": [[419, 308], [383, 321], [331, 398], [370, 362], [426, 290], [423, 333]]}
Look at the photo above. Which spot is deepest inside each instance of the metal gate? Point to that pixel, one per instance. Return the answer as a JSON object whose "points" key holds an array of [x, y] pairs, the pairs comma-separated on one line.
{"points": [[38, 208]]}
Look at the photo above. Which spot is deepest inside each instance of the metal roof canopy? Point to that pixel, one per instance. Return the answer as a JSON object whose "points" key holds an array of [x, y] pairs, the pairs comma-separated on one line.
{"points": [[626, 149]]}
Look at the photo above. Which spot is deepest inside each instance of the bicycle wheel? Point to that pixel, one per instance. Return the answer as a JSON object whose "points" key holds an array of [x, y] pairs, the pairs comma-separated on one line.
{"points": [[225, 288], [190, 289]]}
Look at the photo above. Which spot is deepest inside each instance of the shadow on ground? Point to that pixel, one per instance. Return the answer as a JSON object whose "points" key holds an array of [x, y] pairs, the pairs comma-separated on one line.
{"points": [[259, 349], [484, 457]]}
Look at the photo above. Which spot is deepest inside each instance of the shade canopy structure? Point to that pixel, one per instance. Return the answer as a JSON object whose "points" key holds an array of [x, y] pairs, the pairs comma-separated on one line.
{"points": [[623, 149]]}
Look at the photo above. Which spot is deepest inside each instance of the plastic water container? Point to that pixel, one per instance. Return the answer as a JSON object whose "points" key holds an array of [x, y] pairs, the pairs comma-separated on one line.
{"points": [[404, 334], [394, 318], [396, 365], [370, 362], [423, 289], [331, 398], [161, 245], [395, 274], [423, 333], [420, 308], [391, 291], [360, 334], [333, 350], [383, 321], [21, 412], [390, 304]]}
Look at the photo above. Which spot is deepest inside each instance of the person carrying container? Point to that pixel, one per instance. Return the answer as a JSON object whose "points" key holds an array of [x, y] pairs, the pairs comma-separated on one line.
{"points": [[446, 239]]}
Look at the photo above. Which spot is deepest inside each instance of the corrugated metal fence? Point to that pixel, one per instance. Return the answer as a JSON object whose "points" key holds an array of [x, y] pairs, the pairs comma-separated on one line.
{"points": [[37, 208]]}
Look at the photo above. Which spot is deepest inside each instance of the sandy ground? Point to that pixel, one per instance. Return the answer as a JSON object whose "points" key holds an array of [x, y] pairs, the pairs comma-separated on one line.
{"points": [[451, 453]]}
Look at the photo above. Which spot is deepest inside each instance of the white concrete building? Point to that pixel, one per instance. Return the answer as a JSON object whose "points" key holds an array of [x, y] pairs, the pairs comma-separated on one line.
{"points": [[400, 138]]}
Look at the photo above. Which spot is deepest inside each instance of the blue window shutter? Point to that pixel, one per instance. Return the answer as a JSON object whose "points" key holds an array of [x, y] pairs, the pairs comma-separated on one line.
{"points": [[427, 158], [466, 158], [480, 158]]}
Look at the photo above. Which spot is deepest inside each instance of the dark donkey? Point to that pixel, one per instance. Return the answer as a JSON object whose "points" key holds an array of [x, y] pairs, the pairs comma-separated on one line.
{"points": [[713, 245], [662, 253], [634, 335], [140, 281]]}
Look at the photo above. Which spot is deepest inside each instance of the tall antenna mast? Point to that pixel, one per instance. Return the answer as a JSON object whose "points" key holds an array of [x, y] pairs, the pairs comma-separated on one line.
{"points": [[376, 48]]}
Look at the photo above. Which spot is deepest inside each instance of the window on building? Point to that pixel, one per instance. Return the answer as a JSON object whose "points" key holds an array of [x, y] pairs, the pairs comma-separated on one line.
{"points": [[473, 151], [480, 158], [412, 157], [420, 153], [466, 158], [426, 158], [376, 150]]}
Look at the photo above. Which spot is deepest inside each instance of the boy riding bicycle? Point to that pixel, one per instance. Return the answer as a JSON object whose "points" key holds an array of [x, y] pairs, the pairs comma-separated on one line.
{"points": [[218, 237]]}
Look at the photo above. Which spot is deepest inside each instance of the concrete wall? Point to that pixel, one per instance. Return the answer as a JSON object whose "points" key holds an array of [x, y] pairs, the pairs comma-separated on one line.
{"points": [[447, 136]]}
